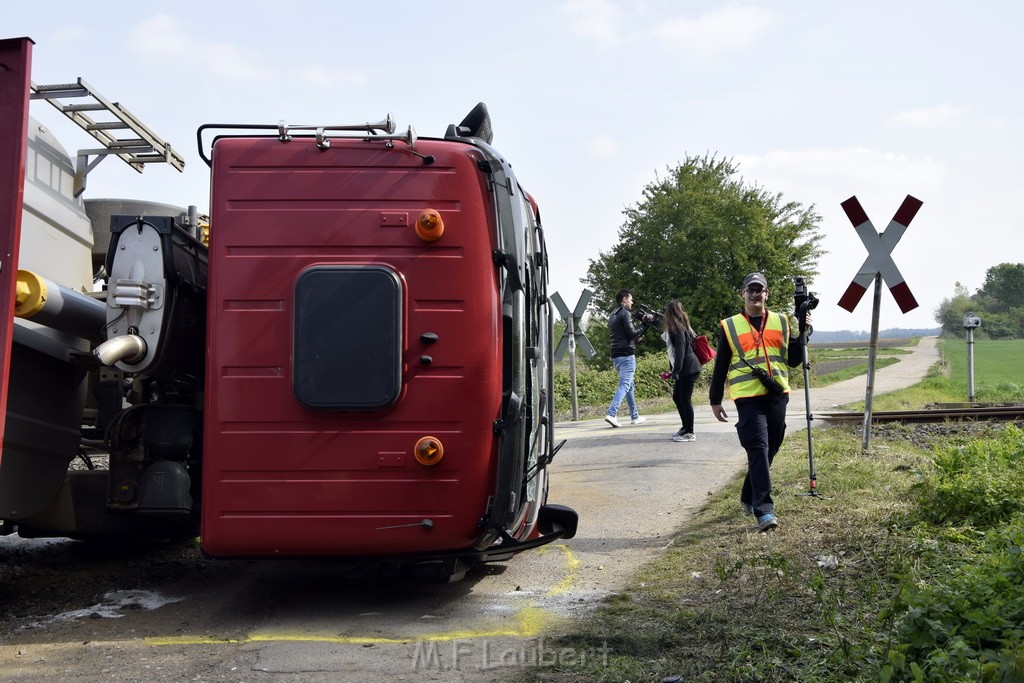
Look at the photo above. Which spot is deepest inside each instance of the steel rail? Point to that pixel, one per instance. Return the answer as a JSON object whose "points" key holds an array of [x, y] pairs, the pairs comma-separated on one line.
{"points": [[1008, 412]]}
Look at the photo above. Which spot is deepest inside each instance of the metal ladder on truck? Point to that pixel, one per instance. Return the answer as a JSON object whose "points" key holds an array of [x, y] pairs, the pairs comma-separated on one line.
{"points": [[145, 148]]}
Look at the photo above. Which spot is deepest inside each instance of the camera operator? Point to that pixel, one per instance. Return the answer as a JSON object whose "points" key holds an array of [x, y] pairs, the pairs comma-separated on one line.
{"points": [[761, 347], [623, 340]]}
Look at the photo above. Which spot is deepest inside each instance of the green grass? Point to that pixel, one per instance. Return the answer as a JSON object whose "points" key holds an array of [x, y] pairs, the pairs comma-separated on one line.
{"points": [[907, 567], [997, 364], [840, 361], [998, 377]]}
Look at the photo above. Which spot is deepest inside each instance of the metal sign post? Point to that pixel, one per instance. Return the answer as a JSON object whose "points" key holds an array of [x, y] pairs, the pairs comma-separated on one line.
{"points": [[573, 337], [878, 266], [570, 331], [971, 323], [872, 355]]}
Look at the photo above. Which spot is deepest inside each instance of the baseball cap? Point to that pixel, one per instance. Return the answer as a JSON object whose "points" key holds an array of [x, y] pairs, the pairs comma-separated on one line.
{"points": [[755, 279]]}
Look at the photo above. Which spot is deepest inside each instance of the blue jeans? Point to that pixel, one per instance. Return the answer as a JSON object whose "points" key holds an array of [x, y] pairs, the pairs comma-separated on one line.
{"points": [[626, 367]]}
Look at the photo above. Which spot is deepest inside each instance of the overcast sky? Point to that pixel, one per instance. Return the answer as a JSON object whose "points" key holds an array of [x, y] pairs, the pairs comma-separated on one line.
{"points": [[590, 99]]}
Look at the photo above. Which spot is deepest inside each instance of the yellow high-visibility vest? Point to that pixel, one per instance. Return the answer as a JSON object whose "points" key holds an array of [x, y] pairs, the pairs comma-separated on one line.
{"points": [[767, 348]]}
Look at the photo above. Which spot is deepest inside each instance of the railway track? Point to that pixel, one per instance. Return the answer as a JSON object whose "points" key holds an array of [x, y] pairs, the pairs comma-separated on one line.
{"points": [[940, 413]]}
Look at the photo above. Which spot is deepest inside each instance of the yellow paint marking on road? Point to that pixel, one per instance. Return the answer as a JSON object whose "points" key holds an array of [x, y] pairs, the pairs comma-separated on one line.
{"points": [[529, 622], [571, 565]]}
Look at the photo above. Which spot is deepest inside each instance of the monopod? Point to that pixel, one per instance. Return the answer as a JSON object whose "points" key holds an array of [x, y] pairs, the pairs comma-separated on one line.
{"points": [[806, 301]]}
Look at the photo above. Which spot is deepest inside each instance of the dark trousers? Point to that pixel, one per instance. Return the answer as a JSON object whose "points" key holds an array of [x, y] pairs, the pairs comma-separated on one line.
{"points": [[682, 396], [761, 428]]}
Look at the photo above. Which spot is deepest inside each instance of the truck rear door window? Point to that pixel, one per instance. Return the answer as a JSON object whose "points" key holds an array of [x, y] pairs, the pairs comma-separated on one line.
{"points": [[348, 337]]}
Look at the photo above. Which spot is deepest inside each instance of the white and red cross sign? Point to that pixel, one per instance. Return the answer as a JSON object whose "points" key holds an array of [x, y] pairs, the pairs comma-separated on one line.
{"points": [[879, 260]]}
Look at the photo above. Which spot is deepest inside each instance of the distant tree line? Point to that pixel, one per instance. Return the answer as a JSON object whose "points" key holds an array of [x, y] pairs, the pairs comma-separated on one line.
{"points": [[822, 336], [998, 303]]}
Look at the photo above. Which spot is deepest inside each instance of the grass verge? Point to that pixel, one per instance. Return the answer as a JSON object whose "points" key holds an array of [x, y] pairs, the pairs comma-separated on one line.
{"points": [[907, 566]]}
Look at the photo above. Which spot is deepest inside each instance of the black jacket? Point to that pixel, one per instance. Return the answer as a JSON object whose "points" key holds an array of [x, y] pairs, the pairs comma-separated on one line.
{"points": [[623, 334], [686, 361]]}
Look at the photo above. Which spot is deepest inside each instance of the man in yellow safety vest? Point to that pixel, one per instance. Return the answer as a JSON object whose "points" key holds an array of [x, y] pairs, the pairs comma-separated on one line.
{"points": [[756, 369]]}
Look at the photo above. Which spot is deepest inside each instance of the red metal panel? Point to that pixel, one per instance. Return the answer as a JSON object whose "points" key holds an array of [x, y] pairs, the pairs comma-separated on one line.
{"points": [[282, 479], [15, 79]]}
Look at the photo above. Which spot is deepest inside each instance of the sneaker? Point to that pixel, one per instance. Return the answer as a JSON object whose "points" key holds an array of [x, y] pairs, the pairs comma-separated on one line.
{"points": [[684, 437], [638, 419], [767, 522], [612, 420], [680, 432]]}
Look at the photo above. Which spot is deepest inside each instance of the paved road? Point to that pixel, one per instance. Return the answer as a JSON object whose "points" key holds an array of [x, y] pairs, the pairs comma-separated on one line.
{"points": [[296, 621]]}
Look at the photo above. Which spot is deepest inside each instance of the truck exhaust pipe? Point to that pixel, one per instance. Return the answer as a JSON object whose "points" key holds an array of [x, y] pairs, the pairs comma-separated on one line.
{"points": [[127, 348]]}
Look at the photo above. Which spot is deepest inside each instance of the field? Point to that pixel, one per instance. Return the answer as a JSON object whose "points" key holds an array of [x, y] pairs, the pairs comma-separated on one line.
{"points": [[836, 361], [998, 368]]}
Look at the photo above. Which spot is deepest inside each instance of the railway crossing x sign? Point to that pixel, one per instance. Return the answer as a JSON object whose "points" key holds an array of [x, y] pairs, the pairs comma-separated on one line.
{"points": [[879, 260], [573, 335]]}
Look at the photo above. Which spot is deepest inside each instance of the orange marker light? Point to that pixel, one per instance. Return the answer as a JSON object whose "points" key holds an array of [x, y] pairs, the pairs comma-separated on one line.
{"points": [[428, 451], [429, 225]]}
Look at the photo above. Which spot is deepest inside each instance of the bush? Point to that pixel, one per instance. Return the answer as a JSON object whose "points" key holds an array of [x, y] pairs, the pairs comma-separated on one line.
{"points": [[979, 484], [968, 622], [963, 617]]}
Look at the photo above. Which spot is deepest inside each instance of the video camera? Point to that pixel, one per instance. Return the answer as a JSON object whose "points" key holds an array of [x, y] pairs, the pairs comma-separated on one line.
{"points": [[646, 318], [803, 301], [769, 382]]}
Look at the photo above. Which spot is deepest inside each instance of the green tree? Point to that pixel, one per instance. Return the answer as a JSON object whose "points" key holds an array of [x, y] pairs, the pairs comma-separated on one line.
{"points": [[996, 303], [1002, 287], [694, 235], [950, 313]]}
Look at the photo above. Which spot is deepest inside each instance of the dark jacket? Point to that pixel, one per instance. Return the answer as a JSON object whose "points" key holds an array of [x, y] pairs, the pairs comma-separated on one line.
{"points": [[623, 334], [686, 361]]}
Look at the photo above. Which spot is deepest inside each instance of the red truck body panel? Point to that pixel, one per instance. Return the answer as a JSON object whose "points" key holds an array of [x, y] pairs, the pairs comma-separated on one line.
{"points": [[15, 62], [281, 477]]}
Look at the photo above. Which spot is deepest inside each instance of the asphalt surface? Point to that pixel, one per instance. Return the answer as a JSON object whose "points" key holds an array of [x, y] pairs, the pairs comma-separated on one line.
{"points": [[299, 621]]}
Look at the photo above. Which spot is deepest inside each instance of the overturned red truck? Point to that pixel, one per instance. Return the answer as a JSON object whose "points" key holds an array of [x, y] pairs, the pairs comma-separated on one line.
{"points": [[350, 358]]}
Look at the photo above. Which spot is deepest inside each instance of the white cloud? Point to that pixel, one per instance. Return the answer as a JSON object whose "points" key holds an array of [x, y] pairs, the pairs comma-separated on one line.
{"points": [[70, 37], [941, 115], [319, 77], [162, 38], [815, 175], [730, 28], [597, 20], [602, 146]]}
